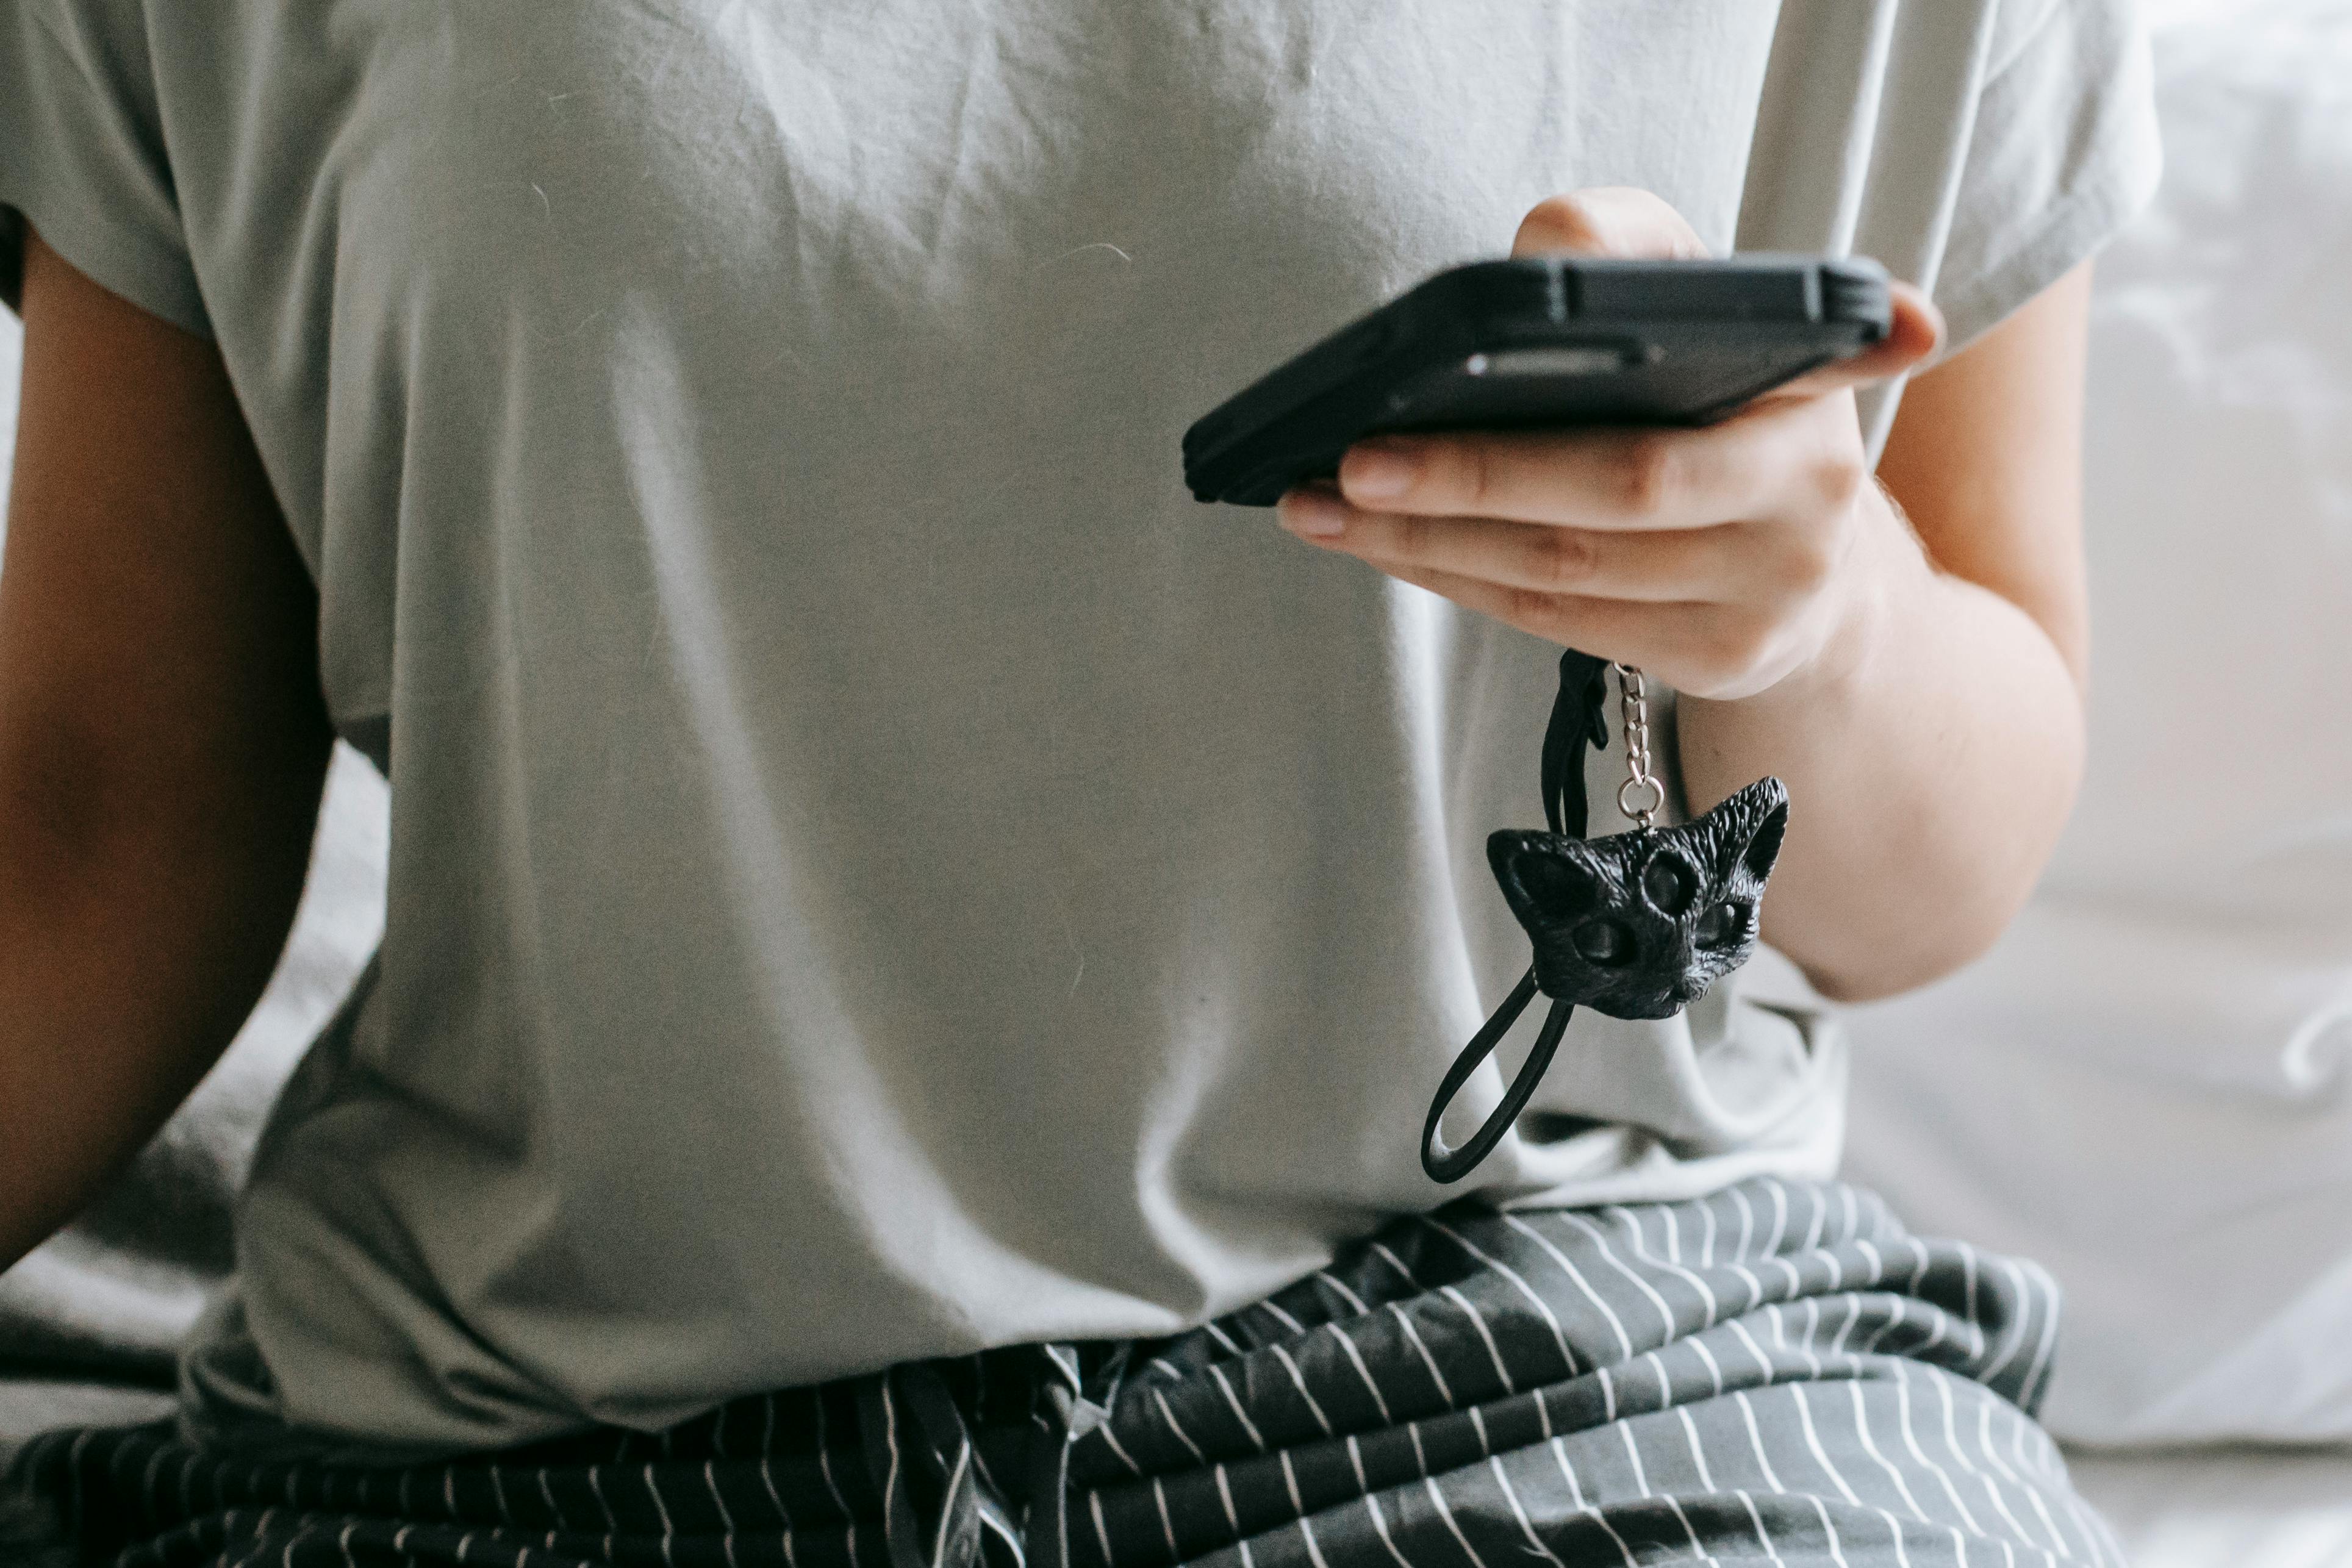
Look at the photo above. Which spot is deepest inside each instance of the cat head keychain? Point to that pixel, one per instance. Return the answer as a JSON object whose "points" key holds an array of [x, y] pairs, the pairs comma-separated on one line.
{"points": [[1636, 925]]}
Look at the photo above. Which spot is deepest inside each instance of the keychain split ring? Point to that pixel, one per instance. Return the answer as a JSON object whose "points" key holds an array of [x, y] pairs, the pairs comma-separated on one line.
{"points": [[1642, 814]]}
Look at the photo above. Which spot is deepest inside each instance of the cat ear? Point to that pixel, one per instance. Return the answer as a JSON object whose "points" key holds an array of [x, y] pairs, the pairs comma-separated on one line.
{"points": [[1764, 849], [1544, 876], [1764, 810]]}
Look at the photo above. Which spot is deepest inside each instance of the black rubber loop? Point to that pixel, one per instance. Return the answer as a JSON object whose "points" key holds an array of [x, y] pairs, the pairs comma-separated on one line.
{"points": [[1577, 722], [1444, 1165]]}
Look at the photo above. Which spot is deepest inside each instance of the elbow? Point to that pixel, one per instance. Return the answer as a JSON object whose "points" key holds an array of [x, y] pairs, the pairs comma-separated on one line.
{"points": [[1945, 913], [1945, 890], [1890, 970], [1947, 919], [98, 835]]}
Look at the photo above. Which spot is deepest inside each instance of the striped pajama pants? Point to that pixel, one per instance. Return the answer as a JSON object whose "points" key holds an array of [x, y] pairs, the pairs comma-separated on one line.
{"points": [[1777, 1374]]}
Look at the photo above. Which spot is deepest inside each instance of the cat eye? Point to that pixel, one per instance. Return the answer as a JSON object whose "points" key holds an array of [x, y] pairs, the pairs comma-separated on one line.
{"points": [[1668, 884], [1721, 925], [1604, 942]]}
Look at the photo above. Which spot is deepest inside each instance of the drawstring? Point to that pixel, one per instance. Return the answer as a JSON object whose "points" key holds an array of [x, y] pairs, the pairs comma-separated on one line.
{"points": [[943, 1505]]}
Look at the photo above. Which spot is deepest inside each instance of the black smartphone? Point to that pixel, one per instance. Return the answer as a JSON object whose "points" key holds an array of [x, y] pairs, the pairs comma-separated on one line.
{"points": [[1550, 341]]}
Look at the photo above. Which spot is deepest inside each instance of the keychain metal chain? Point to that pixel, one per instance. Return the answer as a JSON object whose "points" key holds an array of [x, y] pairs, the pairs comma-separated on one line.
{"points": [[1633, 704]]}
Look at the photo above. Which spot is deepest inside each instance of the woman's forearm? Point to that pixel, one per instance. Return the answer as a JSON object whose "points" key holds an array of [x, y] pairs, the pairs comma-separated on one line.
{"points": [[1932, 755]]}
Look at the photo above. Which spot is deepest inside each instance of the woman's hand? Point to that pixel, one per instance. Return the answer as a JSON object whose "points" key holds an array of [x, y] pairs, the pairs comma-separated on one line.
{"points": [[1721, 560], [1917, 692]]}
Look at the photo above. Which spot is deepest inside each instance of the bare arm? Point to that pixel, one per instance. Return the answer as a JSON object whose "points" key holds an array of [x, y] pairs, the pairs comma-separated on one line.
{"points": [[163, 740], [1937, 753]]}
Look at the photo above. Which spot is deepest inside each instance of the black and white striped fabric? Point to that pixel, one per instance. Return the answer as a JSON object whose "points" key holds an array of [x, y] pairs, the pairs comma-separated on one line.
{"points": [[1777, 1374]]}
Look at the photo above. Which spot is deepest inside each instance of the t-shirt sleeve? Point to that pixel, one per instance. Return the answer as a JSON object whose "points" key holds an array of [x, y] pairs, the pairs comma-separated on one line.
{"points": [[2061, 153], [82, 157]]}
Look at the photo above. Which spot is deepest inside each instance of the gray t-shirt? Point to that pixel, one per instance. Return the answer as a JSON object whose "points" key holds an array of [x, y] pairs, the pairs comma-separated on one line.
{"points": [[875, 870]]}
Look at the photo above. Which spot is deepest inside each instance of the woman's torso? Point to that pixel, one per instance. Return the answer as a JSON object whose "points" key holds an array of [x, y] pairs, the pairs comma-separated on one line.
{"points": [[875, 870]]}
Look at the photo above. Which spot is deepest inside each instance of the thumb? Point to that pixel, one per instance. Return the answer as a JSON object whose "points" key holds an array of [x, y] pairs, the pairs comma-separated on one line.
{"points": [[1611, 221], [1626, 222], [1915, 330]]}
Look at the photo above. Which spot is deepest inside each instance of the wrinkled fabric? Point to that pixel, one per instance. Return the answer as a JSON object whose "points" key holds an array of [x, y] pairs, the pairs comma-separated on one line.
{"points": [[1778, 1373], [876, 871]]}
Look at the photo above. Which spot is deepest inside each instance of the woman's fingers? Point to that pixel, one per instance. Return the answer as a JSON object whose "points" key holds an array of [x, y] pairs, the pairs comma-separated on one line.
{"points": [[1709, 556], [1913, 336], [1701, 643], [1768, 462], [1658, 565]]}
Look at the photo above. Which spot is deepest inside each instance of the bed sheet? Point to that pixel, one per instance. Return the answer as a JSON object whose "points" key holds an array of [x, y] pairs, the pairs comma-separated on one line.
{"points": [[2146, 1085], [2230, 1508], [32, 1405]]}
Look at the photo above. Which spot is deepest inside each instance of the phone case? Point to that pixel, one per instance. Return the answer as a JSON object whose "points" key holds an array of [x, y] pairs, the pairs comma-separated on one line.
{"points": [[1554, 341]]}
